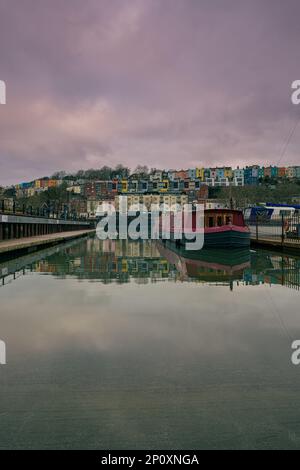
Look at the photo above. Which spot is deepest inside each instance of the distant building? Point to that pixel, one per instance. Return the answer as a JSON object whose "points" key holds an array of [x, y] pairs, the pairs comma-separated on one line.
{"points": [[222, 182], [282, 172], [74, 189], [238, 173], [220, 173], [192, 173], [210, 182], [291, 172], [181, 174]]}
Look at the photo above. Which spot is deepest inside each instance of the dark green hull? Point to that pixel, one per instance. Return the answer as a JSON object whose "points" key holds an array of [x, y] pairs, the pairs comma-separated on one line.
{"points": [[230, 239], [223, 239]]}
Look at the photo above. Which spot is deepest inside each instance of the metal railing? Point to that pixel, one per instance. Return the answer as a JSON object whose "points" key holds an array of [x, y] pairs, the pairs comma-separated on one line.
{"points": [[10, 207], [281, 229]]}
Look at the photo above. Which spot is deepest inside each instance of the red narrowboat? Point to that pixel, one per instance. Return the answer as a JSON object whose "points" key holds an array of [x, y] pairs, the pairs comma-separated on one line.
{"points": [[223, 228]]}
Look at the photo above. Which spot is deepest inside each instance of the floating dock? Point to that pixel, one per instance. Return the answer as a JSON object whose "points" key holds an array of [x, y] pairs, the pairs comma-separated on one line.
{"points": [[277, 244], [31, 244]]}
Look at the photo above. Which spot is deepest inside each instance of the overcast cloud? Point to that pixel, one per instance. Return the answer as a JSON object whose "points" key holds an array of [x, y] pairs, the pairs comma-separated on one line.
{"points": [[166, 83]]}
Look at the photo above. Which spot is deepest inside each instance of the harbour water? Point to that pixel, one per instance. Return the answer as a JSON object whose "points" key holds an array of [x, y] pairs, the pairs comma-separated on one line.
{"points": [[135, 345]]}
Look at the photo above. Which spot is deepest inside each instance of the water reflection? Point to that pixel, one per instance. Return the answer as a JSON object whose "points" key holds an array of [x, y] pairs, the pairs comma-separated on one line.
{"points": [[121, 345], [123, 261]]}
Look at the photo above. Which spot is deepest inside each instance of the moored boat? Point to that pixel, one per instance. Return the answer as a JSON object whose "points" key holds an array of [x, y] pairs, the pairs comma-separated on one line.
{"points": [[223, 228]]}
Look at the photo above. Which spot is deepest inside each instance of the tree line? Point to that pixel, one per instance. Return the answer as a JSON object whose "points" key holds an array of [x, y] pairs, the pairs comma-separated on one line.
{"points": [[104, 173]]}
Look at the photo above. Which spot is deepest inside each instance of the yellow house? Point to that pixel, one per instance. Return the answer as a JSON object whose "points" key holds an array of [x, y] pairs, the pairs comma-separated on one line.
{"points": [[164, 187], [37, 184], [200, 173], [124, 184], [228, 173]]}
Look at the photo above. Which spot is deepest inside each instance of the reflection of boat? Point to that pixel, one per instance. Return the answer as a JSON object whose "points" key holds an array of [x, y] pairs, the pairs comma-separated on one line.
{"points": [[207, 264], [122, 261], [223, 228]]}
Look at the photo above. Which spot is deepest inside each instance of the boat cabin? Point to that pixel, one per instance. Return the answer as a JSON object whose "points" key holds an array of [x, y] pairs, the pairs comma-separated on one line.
{"points": [[221, 217]]}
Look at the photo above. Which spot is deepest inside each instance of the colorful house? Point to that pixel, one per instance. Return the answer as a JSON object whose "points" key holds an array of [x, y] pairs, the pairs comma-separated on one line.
{"points": [[200, 174], [213, 173], [163, 186], [228, 172], [220, 173], [238, 173], [192, 173], [291, 172], [282, 172], [181, 174]]}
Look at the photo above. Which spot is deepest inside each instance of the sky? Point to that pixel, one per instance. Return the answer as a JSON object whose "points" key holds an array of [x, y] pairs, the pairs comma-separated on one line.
{"points": [[162, 83]]}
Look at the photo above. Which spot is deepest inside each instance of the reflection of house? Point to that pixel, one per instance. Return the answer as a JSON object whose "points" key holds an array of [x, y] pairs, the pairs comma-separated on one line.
{"points": [[122, 260]]}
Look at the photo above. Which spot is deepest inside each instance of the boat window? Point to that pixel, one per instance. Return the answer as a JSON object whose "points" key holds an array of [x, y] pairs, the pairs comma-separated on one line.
{"points": [[220, 221], [211, 222], [228, 220]]}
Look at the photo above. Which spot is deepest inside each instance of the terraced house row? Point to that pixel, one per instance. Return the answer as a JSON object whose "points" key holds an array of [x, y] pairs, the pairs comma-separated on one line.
{"points": [[164, 181]]}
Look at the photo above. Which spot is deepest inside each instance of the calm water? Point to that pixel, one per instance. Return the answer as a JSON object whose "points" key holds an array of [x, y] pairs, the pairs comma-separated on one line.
{"points": [[131, 345]]}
